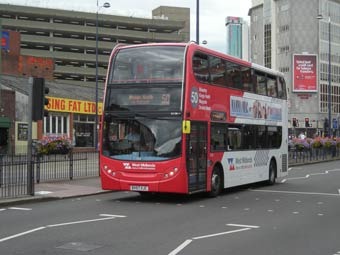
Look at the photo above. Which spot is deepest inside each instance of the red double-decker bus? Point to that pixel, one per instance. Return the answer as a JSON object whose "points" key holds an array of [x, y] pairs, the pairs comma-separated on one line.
{"points": [[181, 118]]}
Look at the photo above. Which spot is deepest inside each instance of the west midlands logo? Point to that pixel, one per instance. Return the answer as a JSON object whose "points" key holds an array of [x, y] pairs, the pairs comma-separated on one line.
{"points": [[231, 164], [127, 165]]}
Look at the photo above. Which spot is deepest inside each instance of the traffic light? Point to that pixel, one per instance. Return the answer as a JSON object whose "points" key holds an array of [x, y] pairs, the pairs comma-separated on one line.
{"points": [[307, 122], [39, 99]]}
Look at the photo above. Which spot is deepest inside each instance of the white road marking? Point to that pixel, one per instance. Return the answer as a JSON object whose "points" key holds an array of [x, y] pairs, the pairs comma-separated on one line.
{"points": [[3, 209], [112, 215], [21, 234], [242, 226], [108, 217], [222, 233], [312, 174], [181, 247], [188, 241], [320, 173], [20, 208], [295, 192], [78, 222]]}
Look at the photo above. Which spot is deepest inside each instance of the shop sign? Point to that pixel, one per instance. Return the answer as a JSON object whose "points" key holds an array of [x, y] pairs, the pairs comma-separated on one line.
{"points": [[72, 105]]}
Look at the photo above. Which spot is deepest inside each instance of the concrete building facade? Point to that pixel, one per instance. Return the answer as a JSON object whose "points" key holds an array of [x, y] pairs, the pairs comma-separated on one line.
{"points": [[283, 30]]}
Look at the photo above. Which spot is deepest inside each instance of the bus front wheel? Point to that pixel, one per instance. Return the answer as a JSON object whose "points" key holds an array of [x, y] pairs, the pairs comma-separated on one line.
{"points": [[272, 173], [216, 183]]}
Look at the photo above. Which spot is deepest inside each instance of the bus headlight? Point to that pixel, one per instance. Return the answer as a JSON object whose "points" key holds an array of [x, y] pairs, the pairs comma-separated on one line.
{"points": [[109, 171], [170, 172]]}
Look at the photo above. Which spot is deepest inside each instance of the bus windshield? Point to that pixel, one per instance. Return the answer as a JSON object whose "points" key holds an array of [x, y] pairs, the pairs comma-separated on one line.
{"points": [[145, 139], [149, 63]]}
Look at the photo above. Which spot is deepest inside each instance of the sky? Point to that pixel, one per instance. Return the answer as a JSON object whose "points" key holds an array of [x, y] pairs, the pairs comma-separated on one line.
{"points": [[212, 13]]}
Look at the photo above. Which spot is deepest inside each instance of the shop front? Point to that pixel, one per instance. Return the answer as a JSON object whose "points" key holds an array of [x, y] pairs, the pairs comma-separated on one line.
{"points": [[72, 118]]}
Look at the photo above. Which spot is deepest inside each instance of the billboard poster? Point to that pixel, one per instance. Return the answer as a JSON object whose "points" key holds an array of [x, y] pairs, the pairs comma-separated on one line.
{"points": [[249, 108], [5, 40], [305, 73]]}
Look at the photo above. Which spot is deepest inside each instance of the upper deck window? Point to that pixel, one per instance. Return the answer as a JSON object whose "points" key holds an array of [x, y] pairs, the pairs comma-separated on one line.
{"points": [[200, 65], [148, 64]]}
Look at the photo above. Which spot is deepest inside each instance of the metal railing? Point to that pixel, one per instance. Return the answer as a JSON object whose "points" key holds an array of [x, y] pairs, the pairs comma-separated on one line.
{"points": [[313, 155], [14, 175]]}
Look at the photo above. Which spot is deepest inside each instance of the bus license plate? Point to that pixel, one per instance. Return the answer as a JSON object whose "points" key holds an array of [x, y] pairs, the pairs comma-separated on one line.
{"points": [[139, 188]]}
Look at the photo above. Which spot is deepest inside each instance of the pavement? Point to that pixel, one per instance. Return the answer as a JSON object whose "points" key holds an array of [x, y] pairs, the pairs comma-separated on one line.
{"points": [[60, 190]]}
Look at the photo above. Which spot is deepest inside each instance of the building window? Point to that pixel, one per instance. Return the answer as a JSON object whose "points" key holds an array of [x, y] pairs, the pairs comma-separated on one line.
{"points": [[56, 124], [284, 28], [83, 130], [284, 69], [283, 49], [267, 46]]}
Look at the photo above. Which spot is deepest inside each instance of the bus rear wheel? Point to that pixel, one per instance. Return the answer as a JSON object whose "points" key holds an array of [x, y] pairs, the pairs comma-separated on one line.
{"points": [[272, 173], [216, 183]]}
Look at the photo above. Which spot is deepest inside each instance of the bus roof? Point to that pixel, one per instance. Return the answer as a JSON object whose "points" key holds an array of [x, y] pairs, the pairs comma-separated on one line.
{"points": [[206, 50], [266, 70]]}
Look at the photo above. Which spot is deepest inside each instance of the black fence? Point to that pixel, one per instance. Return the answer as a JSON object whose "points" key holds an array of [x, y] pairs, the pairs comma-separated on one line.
{"points": [[15, 174]]}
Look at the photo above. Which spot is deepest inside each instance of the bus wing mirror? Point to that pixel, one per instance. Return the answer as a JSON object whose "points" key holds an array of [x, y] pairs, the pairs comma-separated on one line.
{"points": [[186, 127]]}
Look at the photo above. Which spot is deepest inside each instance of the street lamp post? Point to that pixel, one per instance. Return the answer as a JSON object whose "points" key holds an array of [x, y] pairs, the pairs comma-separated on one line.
{"points": [[105, 5], [329, 74]]}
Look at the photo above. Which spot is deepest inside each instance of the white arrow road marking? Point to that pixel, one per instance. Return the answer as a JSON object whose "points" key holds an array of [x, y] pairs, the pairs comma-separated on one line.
{"points": [[188, 241], [108, 217]]}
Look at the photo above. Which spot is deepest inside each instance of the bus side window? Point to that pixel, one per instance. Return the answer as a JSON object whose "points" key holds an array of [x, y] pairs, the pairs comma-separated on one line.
{"points": [[201, 67], [217, 71], [261, 88], [281, 88], [234, 138], [247, 79], [271, 86], [233, 75], [218, 140]]}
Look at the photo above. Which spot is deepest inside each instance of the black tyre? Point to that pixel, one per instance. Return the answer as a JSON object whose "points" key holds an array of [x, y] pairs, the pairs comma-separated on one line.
{"points": [[216, 183], [272, 173]]}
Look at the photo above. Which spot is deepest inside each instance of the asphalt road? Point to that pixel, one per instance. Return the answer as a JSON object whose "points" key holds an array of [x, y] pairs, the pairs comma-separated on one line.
{"points": [[299, 215]]}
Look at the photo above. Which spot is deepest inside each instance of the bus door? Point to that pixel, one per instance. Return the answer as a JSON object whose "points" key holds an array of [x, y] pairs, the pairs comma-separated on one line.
{"points": [[197, 156]]}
